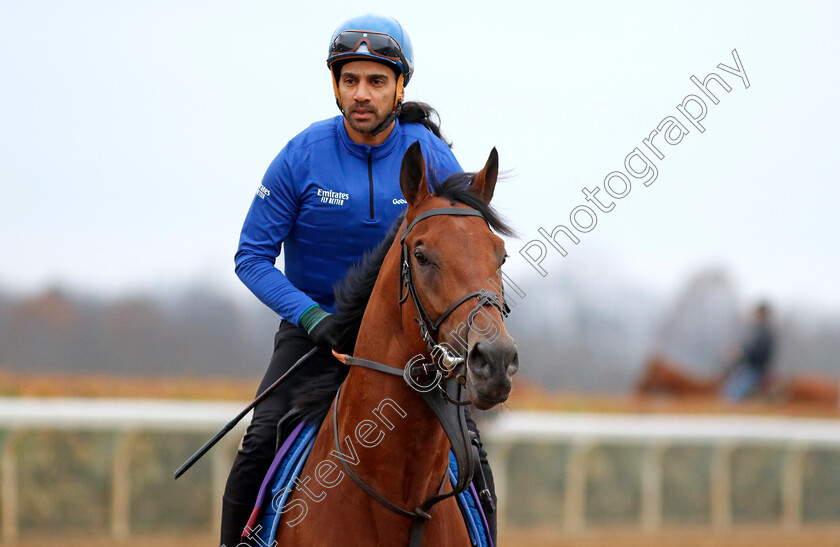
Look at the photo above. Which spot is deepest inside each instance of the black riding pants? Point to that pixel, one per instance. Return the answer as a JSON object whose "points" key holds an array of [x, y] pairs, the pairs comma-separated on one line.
{"points": [[260, 442]]}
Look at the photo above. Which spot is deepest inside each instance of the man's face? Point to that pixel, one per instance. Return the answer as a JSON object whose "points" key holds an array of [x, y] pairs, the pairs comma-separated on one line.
{"points": [[367, 92]]}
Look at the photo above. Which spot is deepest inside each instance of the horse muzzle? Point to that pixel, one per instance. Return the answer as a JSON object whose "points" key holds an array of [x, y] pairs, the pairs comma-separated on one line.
{"points": [[490, 368]]}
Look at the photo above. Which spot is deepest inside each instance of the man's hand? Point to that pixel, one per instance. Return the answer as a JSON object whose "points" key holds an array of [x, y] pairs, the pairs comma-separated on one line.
{"points": [[325, 333], [321, 326]]}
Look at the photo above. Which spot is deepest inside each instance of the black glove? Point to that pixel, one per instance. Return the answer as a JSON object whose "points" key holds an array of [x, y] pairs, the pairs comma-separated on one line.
{"points": [[321, 326], [325, 333]]}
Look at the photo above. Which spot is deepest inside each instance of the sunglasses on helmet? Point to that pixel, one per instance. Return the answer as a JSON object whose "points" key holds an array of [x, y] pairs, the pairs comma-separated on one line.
{"points": [[378, 44]]}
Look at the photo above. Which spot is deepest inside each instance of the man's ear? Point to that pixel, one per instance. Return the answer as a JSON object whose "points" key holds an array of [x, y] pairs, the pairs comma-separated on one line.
{"points": [[400, 94]]}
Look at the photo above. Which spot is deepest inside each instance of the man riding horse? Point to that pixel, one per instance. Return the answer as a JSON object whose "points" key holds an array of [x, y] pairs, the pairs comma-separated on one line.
{"points": [[329, 196]]}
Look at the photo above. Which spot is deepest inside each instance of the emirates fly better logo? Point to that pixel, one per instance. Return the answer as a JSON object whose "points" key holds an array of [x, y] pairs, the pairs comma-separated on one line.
{"points": [[332, 198]]}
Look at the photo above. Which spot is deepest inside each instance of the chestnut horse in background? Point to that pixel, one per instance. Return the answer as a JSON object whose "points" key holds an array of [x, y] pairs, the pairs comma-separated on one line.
{"points": [[663, 376], [390, 437]]}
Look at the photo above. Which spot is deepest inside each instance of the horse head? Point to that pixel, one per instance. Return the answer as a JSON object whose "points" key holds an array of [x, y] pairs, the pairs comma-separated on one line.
{"points": [[454, 262]]}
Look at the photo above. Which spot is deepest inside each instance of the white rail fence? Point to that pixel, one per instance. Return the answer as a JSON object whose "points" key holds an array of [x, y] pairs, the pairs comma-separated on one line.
{"points": [[653, 436], [125, 419], [579, 435]]}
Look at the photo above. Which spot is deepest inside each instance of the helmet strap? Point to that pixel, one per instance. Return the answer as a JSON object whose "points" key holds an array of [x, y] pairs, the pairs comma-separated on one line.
{"points": [[389, 120], [400, 89], [335, 89], [395, 112]]}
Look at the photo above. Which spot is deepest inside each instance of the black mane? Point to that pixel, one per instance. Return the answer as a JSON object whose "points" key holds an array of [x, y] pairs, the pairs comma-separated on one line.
{"points": [[353, 292]]}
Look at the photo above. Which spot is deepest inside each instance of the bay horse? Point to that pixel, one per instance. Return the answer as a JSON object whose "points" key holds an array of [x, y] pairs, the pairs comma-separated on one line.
{"points": [[380, 428], [665, 377]]}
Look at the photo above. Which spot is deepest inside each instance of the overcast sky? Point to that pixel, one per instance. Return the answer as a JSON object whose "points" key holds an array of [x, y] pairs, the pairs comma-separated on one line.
{"points": [[133, 135]]}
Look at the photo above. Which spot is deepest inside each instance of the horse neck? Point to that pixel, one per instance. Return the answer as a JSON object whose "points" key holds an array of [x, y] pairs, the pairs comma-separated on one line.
{"points": [[416, 449], [389, 333]]}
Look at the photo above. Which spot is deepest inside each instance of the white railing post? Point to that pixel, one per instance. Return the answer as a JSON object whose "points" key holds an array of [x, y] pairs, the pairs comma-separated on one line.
{"points": [[721, 490], [651, 514], [575, 495], [9, 486], [121, 485], [792, 487], [221, 462]]}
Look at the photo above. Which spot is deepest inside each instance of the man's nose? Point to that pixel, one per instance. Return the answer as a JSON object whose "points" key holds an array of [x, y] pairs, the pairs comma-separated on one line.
{"points": [[362, 93]]}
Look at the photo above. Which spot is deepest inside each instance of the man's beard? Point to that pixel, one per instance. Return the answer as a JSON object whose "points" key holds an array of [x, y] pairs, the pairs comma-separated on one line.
{"points": [[364, 126]]}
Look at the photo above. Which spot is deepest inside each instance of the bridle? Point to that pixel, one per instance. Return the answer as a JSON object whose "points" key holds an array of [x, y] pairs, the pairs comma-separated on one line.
{"points": [[445, 401], [429, 329]]}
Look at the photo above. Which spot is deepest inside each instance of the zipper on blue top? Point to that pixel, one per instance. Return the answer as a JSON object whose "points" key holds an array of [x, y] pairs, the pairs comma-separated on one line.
{"points": [[370, 182]]}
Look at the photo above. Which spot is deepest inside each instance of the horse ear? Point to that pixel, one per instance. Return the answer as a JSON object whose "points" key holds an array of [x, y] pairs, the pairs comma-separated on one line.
{"points": [[484, 182], [413, 175]]}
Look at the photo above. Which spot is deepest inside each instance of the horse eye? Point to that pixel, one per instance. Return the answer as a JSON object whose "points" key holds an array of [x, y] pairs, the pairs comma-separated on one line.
{"points": [[421, 258], [504, 259]]}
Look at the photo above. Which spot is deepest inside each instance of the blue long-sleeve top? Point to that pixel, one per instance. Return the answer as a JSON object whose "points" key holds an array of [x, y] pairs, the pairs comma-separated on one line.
{"points": [[326, 200]]}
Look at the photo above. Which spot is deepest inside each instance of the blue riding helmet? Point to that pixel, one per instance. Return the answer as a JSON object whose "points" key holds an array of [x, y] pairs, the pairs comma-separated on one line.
{"points": [[374, 37]]}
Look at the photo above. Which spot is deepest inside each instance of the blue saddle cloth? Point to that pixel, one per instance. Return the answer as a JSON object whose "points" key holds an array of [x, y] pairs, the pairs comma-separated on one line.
{"points": [[280, 482]]}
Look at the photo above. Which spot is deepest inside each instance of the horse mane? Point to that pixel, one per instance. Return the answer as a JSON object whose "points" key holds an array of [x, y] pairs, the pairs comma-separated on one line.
{"points": [[352, 294]]}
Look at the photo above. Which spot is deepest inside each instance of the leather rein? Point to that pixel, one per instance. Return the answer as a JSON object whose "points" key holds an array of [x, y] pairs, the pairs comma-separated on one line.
{"points": [[445, 401]]}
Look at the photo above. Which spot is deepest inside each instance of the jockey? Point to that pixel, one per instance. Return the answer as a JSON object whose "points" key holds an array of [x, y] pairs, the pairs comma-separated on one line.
{"points": [[750, 370], [329, 196]]}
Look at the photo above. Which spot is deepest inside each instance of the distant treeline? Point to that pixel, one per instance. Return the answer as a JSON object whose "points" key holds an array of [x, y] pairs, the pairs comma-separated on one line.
{"points": [[572, 334], [197, 333]]}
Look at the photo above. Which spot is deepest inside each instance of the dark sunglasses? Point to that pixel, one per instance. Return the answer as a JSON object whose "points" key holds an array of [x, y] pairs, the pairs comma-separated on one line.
{"points": [[380, 45]]}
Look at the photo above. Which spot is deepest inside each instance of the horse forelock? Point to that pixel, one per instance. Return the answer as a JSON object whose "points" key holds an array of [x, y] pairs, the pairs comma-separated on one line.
{"points": [[457, 188]]}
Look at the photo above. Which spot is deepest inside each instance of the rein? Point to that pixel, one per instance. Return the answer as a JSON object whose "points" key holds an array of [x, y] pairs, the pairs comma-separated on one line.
{"points": [[445, 402]]}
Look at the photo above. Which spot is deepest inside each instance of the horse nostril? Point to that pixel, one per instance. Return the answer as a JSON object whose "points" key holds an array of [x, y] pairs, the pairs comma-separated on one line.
{"points": [[477, 360], [513, 364], [487, 357]]}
